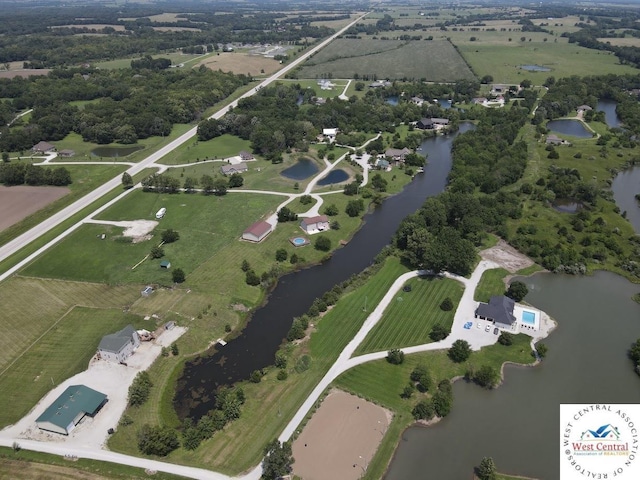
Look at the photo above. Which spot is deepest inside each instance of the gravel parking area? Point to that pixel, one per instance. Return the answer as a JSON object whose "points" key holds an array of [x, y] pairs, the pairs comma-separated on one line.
{"points": [[109, 378]]}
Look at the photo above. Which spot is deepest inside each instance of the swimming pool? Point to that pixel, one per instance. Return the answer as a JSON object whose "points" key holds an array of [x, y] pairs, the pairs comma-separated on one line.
{"points": [[299, 241], [528, 317]]}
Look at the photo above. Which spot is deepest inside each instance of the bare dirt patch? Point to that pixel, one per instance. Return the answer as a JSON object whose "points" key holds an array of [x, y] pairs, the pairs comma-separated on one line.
{"points": [[340, 439], [176, 29], [24, 73], [507, 257], [21, 201], [241, 63], [138, 230], [92, 26]]}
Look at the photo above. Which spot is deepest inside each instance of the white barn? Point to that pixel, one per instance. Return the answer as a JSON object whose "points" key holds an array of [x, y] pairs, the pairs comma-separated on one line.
{"points": [[117, 347]]}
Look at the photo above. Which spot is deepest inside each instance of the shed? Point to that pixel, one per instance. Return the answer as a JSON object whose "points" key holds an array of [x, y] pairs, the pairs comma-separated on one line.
{"points": [[66, 153], [147, 291], [246, 156], [257, 232], [117, 347], [66, 411], [499, 310], [165, 264], [316, 224]]}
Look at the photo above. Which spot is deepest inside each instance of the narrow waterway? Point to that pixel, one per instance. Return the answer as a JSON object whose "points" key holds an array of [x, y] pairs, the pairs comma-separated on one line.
{"points": [[625, 186], [256, 346], [518, 423]]}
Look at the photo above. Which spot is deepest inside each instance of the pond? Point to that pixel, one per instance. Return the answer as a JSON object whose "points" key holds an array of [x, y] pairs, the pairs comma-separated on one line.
{"points": [[393, 100], [115, 152], [610, 115], [567, 205], [303, 168], [517, 424], [444, 103], [335, 176], [257, 344], [625, 186], [535, 68], [569, 127]]}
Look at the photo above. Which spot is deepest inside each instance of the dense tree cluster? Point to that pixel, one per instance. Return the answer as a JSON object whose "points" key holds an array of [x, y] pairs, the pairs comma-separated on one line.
{"points": [[278, 458], [634, 355], [157, 440], [25, 173], [139, 389]]}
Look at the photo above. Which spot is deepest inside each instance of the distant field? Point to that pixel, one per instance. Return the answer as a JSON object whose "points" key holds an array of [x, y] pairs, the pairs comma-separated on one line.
{"points": [[432, 60], [175, 57], [59, 354], [176, 29], [254, 65], [408, 320], [20, 201], [92, 26], [194, 150], [622, 42]]}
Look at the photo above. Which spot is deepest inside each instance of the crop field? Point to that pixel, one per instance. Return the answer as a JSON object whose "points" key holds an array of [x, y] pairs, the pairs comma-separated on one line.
{"points": [[409, 319], [491, 283], [205, 224], [394, 59], [503, 61], [382, 383], [20, 201], [238, 62], [194, 150]]}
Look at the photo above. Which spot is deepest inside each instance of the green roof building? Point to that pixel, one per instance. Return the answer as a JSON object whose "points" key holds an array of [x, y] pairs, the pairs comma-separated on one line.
{"points": [[70, 408]]}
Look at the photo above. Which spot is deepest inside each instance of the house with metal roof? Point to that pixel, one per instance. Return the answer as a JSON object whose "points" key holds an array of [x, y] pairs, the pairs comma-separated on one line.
{"points": [[316, 224], [43, 147], [117, 347], [257, 232], [230, 169], [499, 310], [68, 410]]}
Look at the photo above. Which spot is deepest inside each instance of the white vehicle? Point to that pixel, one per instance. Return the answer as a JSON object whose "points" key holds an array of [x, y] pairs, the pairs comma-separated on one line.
{"points": [[487, 328], [161, 212]]}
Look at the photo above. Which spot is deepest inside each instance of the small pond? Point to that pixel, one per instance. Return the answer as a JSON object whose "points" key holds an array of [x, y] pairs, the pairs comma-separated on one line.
{"points": [[610, 115], [444, 103], [304, 168], [115, 152], [567, 205], [335, 176], [569, 127], [535, 68], [392, 100]]}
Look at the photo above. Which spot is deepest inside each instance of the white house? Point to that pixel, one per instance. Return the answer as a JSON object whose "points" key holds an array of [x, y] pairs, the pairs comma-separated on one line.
{"points": [[257, 232], [316, 224], [117, 347], [330, 133]]}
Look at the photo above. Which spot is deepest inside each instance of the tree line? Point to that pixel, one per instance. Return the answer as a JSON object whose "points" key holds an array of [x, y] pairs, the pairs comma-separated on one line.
{"points": [[25, 173]]}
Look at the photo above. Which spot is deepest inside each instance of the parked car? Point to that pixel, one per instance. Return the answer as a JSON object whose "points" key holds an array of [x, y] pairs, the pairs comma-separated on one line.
{"points": [[479, 326], [496, 331], [487, 328]]}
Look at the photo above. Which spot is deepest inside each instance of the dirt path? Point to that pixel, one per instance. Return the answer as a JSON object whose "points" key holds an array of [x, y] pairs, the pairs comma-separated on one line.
{"points": [[507, 257]]}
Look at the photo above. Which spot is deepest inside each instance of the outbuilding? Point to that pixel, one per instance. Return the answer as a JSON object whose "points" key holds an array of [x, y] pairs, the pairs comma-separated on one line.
{"points": [[68, 410], [165, 264], [257, 232], [316, 224], [117, 347]]}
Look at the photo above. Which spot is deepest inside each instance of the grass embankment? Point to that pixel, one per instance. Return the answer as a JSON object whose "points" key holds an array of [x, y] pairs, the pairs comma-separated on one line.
{"points": [[271, 403], [409, 320], [382, 383], [85, 178], [491, 283], [28, 465]]}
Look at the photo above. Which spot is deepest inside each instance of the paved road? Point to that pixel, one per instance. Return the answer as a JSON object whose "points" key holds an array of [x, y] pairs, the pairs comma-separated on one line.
{"points": [[36, 232]]}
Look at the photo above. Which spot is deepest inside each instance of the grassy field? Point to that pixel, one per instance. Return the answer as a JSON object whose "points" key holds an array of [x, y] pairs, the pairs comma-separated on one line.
{"points": [[408, 320], [491, 283], [28, 465], [85, 179], [193, 150], [434, 60], [240, 63], [175, 57], [313, 85], [271, 403], [64, 350], [383, 383]]}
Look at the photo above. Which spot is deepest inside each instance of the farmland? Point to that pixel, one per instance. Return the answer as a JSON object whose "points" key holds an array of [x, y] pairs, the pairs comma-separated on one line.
{"points": [[409, 320], [18, 202], [382, 383], [435, 60], [239, 62]]}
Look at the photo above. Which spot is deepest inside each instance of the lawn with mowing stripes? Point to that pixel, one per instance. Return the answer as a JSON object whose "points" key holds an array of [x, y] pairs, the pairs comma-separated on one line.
{"points": [[491, 283], [64, 351], [409, 318], [382, 383]]}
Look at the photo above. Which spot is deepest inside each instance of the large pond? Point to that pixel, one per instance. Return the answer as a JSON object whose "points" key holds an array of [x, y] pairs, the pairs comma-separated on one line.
{"points": [[335, 176], [303, 168], [115, 152], [256, 346], [569, 127], [517, 424], [625, 186], [610, 115]]}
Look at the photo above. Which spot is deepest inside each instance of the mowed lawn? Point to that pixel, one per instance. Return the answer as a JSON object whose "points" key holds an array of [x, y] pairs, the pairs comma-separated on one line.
{"points": [[194, 150], [205, 224], [409, 318], [436, 60], [491, 283], [57, 355]]}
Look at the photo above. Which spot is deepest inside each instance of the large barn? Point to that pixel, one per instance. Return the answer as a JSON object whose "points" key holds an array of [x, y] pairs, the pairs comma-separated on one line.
{"points": [[66, 411], [117, 347], [257, 232]]}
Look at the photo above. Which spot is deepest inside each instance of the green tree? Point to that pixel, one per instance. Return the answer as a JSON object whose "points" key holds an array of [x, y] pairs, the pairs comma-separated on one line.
{"points": [[278, 458], [505, 338], [354, 207], [139, 389], [542, 349], [190, 184], [487, 376], [285, 214], [442, 403], [459, 351], [251, 278], [174, 349], [487, 469], [170, 236], [157, 252], [178, 276], [331, 210], [256, 376], [439, 332], [127, 181], [236, 180], [281, 255], [157, 440], [207, 184], [220, 187], [517, 290], [395, 356], [423, 410], [322, 243], [5, 157], [408, 390], [245, 266], [634, 352], [446, 305]]}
